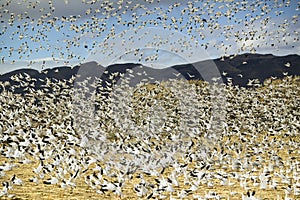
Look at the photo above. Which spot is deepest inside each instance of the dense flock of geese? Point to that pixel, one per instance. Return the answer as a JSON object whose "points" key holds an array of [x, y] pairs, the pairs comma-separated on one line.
{"points": [[175, 139], [221, 25]]}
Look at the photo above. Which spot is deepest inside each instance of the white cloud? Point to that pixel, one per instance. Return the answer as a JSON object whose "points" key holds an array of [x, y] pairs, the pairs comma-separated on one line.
{"points": [[7, 67], [36, 9], [37, 64]]}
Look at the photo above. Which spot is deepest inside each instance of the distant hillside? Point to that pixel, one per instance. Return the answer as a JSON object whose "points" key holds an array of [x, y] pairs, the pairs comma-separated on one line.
{"points": [[240, 68]]}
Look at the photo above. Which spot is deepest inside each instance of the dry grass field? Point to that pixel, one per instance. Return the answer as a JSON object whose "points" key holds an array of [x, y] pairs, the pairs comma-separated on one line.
{"points": [[254, 154], [31, 190]]}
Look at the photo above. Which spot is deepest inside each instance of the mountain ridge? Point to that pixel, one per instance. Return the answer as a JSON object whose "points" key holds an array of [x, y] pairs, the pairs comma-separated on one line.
{"points": [[239, 68]]}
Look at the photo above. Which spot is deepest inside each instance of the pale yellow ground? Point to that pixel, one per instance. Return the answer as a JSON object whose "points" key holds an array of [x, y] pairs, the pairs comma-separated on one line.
{"points": [[82, 191]]}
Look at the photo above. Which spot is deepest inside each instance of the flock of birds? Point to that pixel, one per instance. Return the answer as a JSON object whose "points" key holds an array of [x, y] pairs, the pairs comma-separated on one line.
{"points": [[240, 25], [174, 139]]}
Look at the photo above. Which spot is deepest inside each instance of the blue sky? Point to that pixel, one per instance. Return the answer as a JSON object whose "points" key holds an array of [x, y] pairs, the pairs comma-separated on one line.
{"points": [[177, 33]]}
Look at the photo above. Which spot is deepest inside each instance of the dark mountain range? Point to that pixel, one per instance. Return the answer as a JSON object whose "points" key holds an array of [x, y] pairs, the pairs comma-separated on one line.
{"points": [[240, 68]]}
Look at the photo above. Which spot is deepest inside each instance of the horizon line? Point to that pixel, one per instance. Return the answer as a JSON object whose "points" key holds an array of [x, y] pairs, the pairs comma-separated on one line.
{"points": [[144, 64]]}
